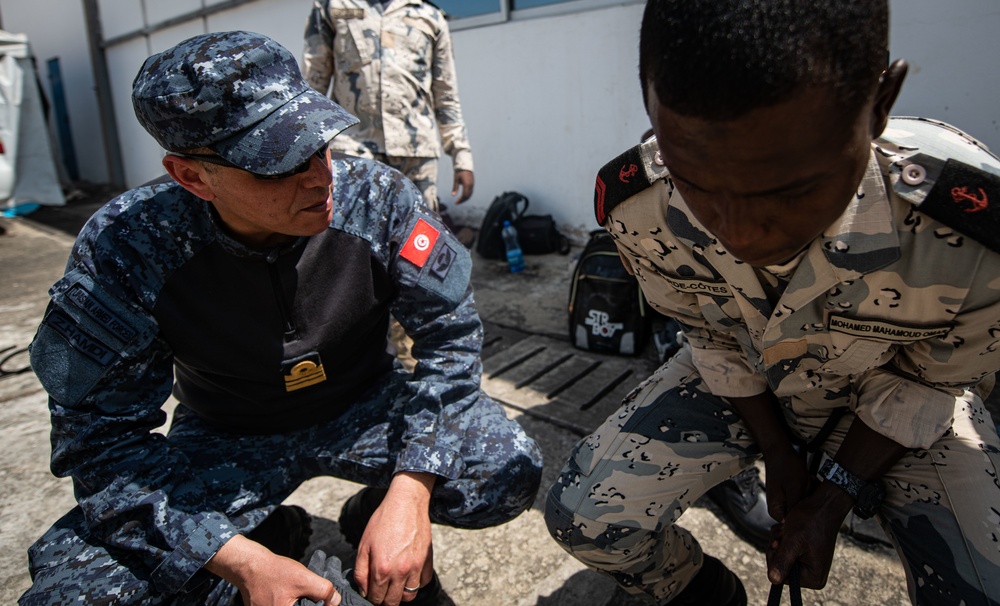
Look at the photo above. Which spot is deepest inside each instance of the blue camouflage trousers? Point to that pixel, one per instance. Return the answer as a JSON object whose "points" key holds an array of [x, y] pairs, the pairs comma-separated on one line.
{"points": [[249, 475], [616, 503]]}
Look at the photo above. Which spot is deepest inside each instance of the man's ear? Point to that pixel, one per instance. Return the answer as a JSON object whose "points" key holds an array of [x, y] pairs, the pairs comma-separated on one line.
{"points": [[889, 85], [190, 175]]}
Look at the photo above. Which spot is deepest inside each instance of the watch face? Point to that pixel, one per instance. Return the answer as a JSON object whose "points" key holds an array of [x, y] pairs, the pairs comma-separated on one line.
{"points": [[869, 500]]}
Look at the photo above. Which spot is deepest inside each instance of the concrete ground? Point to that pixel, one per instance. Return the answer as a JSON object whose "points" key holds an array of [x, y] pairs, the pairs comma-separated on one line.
{"points": [[513, 564]]}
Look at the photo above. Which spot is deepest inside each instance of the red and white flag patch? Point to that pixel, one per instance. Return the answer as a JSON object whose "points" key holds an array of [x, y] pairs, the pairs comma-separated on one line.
{"points": [[420, 243]]}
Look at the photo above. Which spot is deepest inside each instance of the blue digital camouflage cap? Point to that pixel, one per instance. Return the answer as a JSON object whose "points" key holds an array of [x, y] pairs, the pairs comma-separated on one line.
{"points": [[239, 94]]}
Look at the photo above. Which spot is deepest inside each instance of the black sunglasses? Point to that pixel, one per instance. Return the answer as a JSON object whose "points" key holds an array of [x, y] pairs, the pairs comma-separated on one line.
{"points": [[220, 161]]}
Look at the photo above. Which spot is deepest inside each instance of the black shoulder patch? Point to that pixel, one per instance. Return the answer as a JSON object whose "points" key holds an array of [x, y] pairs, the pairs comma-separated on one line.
{"points": [[967, 199], [619, 180], [626, 176]]}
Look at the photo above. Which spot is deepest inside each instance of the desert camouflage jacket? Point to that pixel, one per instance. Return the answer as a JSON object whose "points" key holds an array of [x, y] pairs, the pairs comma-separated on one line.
{"points": [[893, 311], [394, 69]]}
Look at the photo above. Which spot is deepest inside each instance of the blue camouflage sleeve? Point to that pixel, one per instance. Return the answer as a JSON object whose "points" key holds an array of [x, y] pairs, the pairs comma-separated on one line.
{"points": [[435, 306], [107, 374], [431, 272]]}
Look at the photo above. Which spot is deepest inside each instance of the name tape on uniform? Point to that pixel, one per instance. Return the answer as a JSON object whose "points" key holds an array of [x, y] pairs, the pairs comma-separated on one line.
{"points": [[877, 329], [700, 287]]}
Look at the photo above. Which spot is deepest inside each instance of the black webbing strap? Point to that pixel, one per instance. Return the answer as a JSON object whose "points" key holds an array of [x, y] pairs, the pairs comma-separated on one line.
{"points": [[809, 449], [794, 589], [814, 445]]}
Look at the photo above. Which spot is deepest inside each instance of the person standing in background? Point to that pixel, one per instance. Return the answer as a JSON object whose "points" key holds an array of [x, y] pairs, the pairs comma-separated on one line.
{"points": [[390, 63]]}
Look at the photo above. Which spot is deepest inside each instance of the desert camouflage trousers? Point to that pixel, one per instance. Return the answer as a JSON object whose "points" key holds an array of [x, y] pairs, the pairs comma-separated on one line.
{"points": [[250, 475], [616, 503]]}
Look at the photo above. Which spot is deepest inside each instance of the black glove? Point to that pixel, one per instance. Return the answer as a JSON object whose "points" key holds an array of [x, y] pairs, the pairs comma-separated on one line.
{"points": [[330, 569]]}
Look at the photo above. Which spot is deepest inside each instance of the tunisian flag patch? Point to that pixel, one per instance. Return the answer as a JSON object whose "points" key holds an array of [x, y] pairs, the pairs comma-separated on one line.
{"points": [[421, 242]]}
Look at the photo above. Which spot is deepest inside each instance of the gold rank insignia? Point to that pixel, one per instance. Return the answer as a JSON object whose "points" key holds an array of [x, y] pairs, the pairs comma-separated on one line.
{"points": [[303, 371]]}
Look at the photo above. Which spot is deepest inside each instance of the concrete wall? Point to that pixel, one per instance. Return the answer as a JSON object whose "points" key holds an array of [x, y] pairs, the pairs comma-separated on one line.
{"points": [[283, 20], [953, 49], [547, 100], [563, 99]]}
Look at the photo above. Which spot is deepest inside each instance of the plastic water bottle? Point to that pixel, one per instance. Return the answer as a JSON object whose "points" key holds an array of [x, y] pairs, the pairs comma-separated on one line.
{"points": [[514, 256]]}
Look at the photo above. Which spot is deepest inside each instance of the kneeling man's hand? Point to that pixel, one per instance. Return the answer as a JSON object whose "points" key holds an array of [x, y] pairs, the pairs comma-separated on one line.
{"points": [[395, 550], [267, 579]]}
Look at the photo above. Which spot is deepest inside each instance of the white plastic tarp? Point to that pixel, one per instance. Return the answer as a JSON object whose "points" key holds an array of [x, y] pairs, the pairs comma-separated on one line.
{"points": [[27, 168]]}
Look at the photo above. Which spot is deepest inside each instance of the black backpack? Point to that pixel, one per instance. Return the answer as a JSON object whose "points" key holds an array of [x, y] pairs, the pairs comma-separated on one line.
{"points": [[508, 206], [607, 310], [537, 234]]}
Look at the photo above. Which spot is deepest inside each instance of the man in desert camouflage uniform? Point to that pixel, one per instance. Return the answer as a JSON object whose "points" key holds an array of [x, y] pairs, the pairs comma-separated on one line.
{"points": [[840, 297], [390, 63], [257, 287]]}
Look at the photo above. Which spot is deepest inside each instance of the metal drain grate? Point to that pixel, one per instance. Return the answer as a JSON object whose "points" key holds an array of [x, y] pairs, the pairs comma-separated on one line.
{"points": [[552, 380]]}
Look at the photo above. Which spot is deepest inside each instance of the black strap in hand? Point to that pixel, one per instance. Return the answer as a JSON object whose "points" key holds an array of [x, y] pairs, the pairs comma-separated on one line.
{"points": [[794, 589]]}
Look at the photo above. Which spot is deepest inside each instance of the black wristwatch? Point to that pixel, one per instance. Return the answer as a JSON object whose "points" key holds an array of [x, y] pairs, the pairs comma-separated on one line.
{"points": [[867, 495]]}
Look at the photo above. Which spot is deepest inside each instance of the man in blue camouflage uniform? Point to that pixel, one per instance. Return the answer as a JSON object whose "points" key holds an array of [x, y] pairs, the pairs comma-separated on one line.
{"points": [[257, 286], [837, 277]]}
